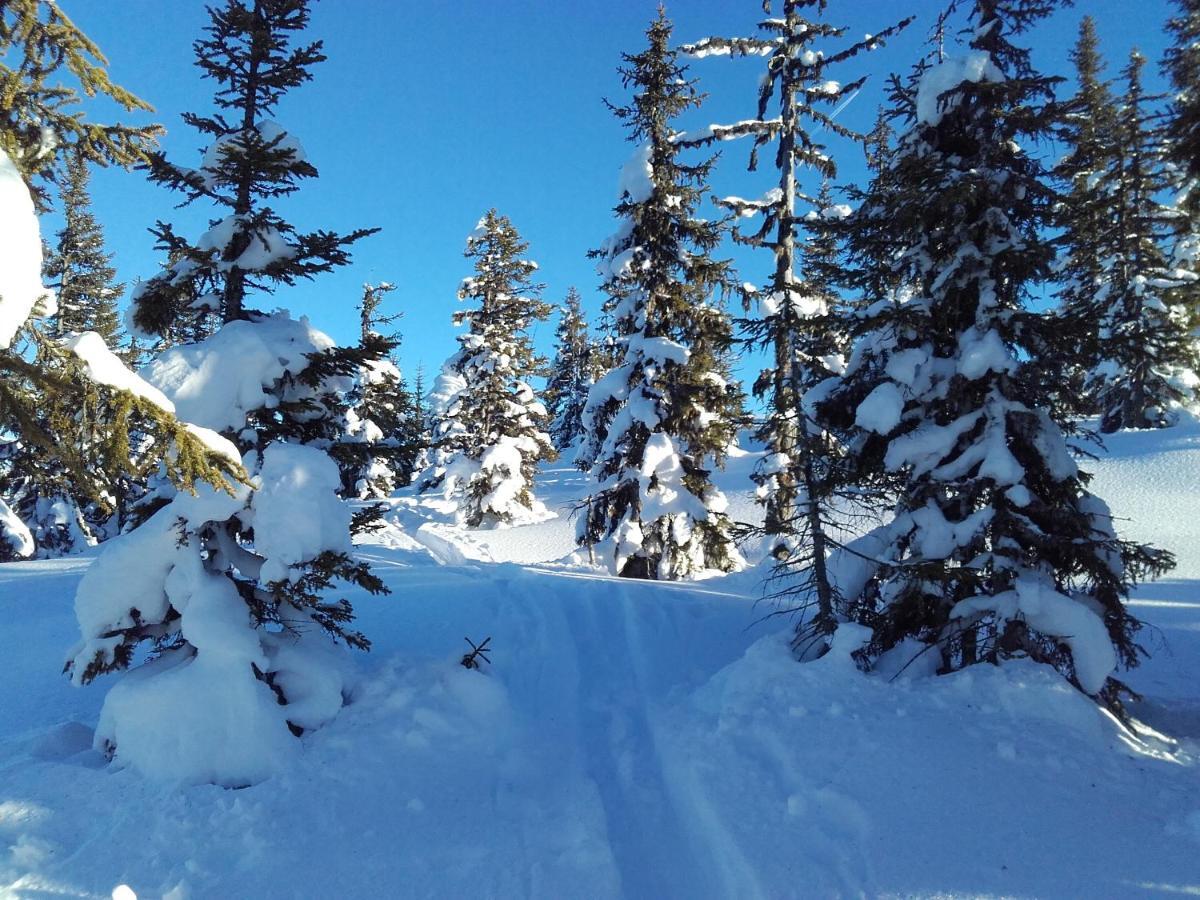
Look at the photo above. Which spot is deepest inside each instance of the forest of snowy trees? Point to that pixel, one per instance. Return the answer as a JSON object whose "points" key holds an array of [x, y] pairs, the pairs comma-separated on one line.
{"points": [[1019, 274]]}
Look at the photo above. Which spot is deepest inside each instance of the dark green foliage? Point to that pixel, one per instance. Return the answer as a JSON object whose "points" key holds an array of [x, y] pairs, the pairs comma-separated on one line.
{"points": [[65, 435], [78, 268], [663, 413], [250, 162], [570, 374], [1124, 331], [1181, 147], [996, 550], [490, 437]]}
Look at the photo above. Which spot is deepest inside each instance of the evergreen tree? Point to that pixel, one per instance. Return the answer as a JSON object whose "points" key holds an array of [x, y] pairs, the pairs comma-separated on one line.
{"points": [[417, 435], [372, 451], [251, 160], [656, 420], [63, 517], [1181, 134], [799, 324], [490, 434], [571, 374], [68, 410], [996, 549], [1145, 356], [78, 268], [243, 577], [1089, 131], [796, 84]]}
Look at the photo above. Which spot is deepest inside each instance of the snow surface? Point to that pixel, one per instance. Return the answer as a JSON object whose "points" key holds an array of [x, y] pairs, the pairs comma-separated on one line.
{"points": [[633, 739]]}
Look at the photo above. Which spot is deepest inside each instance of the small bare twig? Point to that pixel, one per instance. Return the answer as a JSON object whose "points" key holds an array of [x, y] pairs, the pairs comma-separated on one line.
{"points": [[478, 652]]}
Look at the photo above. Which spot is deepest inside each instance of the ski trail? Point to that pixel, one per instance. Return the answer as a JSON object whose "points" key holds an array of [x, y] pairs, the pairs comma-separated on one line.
{"points": [[648, 840]]}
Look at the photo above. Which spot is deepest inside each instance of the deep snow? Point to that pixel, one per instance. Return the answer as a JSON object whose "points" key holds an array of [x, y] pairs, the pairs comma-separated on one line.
{"points": [[632, 739]]}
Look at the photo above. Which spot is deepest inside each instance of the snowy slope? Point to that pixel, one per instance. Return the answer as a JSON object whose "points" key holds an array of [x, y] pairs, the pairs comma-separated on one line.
{"points": [[632, 739]]}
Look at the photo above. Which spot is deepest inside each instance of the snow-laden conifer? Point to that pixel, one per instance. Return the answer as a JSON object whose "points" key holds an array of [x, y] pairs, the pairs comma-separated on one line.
{"points": [[74, 423], [1145, 352], [228, 588], [371, 453], [797, 323], [1181, 146], [62, 516], [661, 416], [490, 433], [996, 548], [1088, 130], [570, 374]]}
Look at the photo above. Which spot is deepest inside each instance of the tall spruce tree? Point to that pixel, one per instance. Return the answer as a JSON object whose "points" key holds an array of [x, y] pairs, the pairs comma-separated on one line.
{"points": [[36, 485], [1088, 130], [661, 416], [78, 268], [372, 451], [490, 434], [64, 517], [1181, 146], [417, 431], [1145, 354], [570, 374], [251, 160], [240, 635], [797, 102], [997, 549], [68, 408]]}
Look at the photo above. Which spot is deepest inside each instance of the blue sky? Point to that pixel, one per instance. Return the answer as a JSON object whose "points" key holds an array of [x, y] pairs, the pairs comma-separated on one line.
{"points": [[428, 113]]}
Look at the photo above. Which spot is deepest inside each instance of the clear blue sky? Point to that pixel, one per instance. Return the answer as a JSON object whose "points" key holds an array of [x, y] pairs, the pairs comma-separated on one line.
{"points": [[428, 113]]}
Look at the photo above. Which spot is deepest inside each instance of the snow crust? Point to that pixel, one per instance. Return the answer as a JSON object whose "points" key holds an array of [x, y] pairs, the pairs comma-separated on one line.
{"points": [[21, 286]]}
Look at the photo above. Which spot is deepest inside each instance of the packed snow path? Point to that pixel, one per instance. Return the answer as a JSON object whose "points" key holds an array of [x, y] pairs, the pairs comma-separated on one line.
{"points": [[629, 740]]}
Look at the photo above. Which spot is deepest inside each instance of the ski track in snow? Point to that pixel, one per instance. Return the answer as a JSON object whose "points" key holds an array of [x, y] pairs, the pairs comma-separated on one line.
{"points": [[632, 740]]}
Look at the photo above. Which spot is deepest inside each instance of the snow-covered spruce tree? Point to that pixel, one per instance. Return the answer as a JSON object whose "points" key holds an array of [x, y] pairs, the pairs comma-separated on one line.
{"points": [[63, 518], [570, 374], [1181, 146], [371, 452], [1145, 352], [797, 323], [796, 103], [490, 430], [228, 590], [416, 431], [68, 408], [997, 549], [79, 269], [657, 419], [1088, 130]]}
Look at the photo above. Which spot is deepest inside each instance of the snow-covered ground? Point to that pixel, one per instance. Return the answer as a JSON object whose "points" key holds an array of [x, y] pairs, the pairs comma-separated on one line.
{"points": [[633, 739]]}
